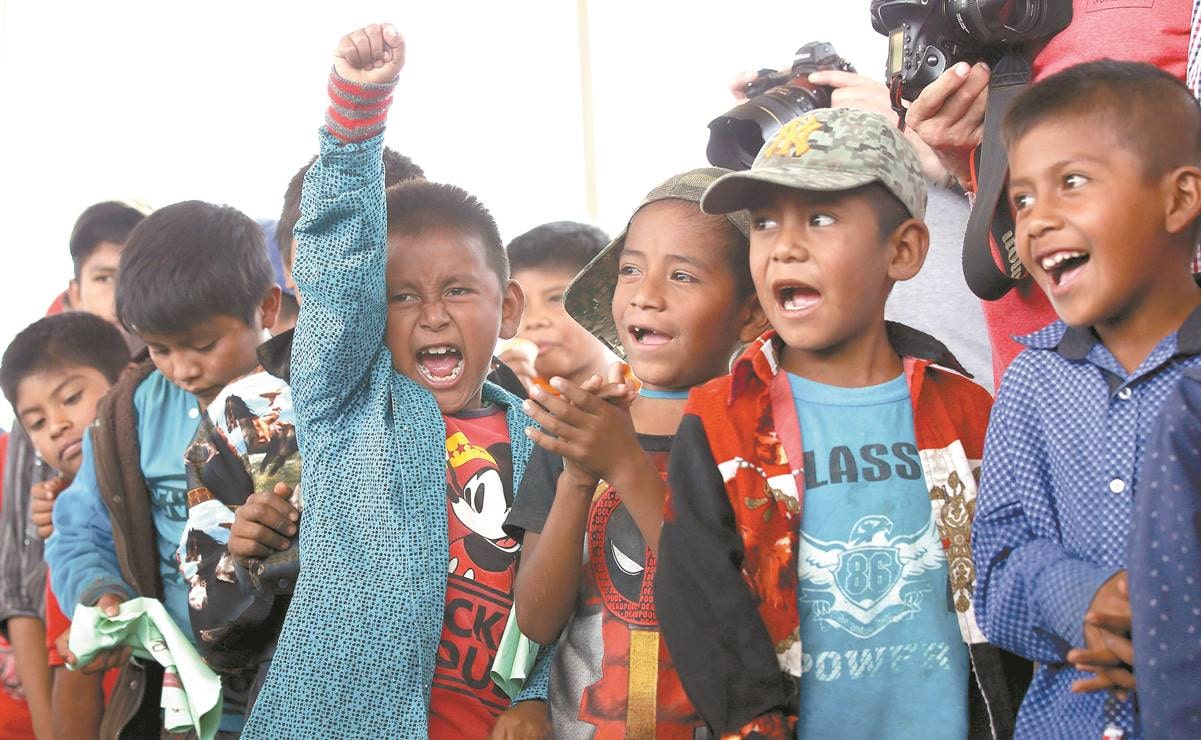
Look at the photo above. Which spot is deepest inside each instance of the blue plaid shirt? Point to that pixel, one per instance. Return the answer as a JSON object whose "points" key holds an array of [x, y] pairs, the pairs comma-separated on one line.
{"points": [[1061, 461], [1165, 568]]}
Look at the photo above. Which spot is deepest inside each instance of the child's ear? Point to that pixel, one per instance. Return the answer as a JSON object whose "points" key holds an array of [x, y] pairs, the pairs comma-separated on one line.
{"points": [[754, 320], [269, 308], [1183, 200], [908, 245], [511, 309], [73, 293]]}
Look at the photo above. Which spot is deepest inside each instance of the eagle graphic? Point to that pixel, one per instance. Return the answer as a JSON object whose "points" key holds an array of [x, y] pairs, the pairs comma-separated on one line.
{"points": [[873, 579]]}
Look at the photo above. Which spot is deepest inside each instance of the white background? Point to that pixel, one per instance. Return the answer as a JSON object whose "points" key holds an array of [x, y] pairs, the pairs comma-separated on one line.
{"points": [[221, 101]]}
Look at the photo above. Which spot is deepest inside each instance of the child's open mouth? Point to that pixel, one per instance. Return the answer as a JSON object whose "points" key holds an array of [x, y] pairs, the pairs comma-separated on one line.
{"points": [[645, 337], [441, 364], [1063, 266], [797, 298]]}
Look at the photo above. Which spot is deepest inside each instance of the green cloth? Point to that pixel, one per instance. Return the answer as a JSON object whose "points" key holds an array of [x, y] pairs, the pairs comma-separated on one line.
{"points": [[515, 658], [191, 697]]}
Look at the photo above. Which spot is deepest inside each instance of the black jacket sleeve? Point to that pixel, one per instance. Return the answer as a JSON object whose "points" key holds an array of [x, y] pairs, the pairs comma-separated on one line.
{"points": [[707, 614]]}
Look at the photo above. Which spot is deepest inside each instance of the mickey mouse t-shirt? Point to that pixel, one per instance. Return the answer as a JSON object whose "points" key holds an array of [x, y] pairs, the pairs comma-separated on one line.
{"points": [[464, 702]]}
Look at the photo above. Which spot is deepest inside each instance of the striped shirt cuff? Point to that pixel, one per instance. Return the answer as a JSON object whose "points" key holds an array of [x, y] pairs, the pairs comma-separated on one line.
{"points": [[357, 111]]}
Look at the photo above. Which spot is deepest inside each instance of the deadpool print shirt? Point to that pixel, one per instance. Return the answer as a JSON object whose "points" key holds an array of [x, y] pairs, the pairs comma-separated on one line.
{"points": [[464, 702], [612, 676]]}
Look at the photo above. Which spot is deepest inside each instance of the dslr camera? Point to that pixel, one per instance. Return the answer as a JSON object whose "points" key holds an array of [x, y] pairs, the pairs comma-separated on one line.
{"points": [[774, 97], [926, 37]]}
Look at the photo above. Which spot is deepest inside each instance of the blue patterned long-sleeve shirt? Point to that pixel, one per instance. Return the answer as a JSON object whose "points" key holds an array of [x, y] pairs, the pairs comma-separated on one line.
{"points": [[356, 653], [1061, 461], [1165, 569]]}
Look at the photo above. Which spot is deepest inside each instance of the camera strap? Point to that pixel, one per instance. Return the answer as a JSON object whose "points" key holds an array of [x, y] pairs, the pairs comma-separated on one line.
{"points": [[990, 229]]}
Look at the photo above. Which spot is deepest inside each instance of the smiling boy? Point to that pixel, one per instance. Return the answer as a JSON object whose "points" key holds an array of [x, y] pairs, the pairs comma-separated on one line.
{"points": [[410, 458], [1105, 183]]}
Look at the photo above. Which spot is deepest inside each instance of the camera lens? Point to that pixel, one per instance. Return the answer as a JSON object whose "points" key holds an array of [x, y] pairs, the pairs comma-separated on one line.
{"points": [[736, 137]]}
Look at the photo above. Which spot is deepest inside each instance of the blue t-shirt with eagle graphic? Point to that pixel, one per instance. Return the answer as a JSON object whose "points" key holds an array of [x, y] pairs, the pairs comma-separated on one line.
{"points": [[878, 630]]}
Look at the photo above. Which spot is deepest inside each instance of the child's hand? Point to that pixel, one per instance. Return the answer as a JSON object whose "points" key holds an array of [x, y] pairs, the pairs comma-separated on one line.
{"points": [[527, 719], [583, 428], [41, 506], [263, 525], [519, 363], [1108, 651], [104, 660], [373, 54]]}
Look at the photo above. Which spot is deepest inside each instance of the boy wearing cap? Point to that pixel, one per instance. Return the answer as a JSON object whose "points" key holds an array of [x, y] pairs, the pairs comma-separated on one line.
{"points": [[672, 294], [845, 419]]}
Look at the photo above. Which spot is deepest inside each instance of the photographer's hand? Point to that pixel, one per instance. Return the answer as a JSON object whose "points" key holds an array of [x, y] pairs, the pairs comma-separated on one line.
{"points": [[949, 116]]}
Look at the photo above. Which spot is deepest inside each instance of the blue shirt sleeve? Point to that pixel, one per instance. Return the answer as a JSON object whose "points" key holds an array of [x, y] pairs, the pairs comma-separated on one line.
{"points": [[1031, 593], [80, 552], [1165, 568], [341, 251], [538, 684]]}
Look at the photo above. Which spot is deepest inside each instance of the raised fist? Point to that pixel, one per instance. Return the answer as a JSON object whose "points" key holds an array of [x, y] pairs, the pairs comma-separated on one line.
{"points": [[373, 54]]}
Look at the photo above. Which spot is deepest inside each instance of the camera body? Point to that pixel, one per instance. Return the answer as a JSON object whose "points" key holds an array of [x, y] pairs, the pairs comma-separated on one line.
{"points": [[774, 98], [926, 37]]}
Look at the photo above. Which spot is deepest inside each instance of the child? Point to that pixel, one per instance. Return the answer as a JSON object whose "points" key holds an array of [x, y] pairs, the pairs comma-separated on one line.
{"points": [[673, 295], [410, 457], [54, 373], [96, 242], [861, 613], [1106, 191], [544, 260], [237, 606], [27, 607], [195, 284], [1165, 620]]}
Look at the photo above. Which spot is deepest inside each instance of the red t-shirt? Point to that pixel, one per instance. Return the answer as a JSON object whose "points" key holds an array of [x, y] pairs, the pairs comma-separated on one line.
{"points": [[1152, 31], [464, 702]]}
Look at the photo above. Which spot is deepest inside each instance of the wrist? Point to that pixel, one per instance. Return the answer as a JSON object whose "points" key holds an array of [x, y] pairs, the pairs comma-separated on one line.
{"points": [[635, 469], [357, 110], [576, 477]]}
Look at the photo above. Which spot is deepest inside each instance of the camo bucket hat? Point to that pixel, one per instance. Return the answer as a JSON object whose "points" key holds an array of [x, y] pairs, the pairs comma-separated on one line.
{"points": [[589, 297], [829, 149]]}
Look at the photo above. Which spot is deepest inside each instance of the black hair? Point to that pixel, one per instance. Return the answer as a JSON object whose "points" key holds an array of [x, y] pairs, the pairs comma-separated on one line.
{"points": [[189, 262], [72, 339], [1152, 113], [416, 206], [567, 245], [397, 168], [289, 310], [108, 221], [889, 211]]}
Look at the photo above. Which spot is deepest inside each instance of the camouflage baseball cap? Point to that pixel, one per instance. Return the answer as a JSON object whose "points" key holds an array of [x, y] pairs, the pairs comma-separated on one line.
{"points": [[589, 297], [829, 149]]}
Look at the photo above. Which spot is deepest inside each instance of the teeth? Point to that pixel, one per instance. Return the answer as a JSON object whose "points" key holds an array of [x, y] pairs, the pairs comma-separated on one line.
{"points": [[1057, 259], [454, 374], [438, 350]]}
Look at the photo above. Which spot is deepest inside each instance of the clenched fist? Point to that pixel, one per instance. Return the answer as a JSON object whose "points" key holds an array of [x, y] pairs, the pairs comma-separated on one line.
{"points": [[372, 55]]}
